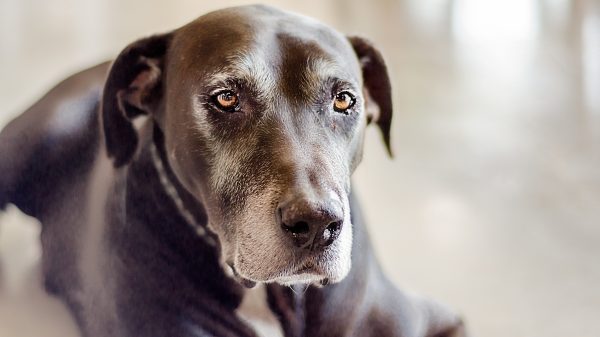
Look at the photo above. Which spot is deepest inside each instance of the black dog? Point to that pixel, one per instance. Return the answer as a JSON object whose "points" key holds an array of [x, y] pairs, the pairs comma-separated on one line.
{"points": [[251, 122]]}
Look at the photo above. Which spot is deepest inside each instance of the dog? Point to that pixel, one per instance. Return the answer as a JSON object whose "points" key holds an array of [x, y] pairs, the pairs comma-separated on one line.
{"points": [[204, 176]]}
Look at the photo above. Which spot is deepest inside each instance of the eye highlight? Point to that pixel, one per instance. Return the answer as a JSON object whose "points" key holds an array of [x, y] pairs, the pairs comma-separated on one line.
{"points": [[227, 100], [343, 101]]}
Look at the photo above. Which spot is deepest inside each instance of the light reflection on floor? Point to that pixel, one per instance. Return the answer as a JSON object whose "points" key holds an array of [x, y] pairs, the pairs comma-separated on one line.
{"points": [[492, 202]]}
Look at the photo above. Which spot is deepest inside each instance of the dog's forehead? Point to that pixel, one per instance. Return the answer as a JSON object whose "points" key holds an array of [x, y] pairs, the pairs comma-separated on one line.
{"points": [[264, 45]]}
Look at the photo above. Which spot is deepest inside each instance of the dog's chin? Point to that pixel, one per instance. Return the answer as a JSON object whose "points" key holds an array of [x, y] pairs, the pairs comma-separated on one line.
{"points": [[311, 272], [305, 278]]}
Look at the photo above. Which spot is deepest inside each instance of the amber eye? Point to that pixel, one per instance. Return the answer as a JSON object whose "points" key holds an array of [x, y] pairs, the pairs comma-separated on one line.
{"points": [[343, 101], [227, 101]]}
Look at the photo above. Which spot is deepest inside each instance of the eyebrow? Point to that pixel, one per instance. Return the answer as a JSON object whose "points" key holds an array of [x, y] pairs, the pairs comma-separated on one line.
{"points": [[326, 69], [247, 69], [253, 71]]}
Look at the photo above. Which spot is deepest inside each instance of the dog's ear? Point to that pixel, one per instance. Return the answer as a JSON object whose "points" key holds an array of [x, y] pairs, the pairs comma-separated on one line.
{"points": [[133, 88], [378, 91]]}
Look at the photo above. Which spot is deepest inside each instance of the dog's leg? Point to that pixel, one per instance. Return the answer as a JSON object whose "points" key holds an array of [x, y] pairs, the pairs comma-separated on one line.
{"points": [[438, 320], [457, 330], [366, 303]]}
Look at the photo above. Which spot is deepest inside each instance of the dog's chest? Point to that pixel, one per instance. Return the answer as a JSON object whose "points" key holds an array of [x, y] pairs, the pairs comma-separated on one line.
{"points": [[255, 311]]}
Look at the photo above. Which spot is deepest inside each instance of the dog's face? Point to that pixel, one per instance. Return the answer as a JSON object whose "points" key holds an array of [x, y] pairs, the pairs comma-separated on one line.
{"points": [[263, 115]]}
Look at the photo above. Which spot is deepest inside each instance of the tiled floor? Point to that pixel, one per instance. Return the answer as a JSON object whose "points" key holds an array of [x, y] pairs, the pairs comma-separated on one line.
{"points": [[492, 202]]}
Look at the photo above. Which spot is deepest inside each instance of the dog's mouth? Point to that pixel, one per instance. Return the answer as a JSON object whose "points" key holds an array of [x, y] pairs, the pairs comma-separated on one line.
{"points": [[308, 272]]}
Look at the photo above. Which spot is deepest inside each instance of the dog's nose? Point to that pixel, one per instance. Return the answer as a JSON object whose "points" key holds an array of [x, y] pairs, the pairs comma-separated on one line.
{"points": [[311, 225]]}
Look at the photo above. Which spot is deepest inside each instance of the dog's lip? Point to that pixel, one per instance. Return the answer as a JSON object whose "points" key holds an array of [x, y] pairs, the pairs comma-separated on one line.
{"points": [[313, 269], [240, 279], [308, 269]]}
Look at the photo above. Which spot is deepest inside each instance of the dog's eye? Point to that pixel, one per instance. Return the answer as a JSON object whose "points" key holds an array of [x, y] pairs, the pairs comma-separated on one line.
{"points": [[227, 100], [343, 101]]}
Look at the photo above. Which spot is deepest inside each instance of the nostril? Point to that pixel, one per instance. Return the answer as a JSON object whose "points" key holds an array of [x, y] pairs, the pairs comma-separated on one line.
{"points": [[300, 227], [334, 226], [310, 224], [331, 232]]}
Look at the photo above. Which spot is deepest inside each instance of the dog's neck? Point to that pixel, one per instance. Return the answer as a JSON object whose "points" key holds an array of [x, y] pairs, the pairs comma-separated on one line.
{"points": [[161, 214], [175, 191]]}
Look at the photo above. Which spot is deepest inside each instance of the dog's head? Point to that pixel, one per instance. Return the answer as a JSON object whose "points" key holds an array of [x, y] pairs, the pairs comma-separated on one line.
{"points": [[263, 114]]}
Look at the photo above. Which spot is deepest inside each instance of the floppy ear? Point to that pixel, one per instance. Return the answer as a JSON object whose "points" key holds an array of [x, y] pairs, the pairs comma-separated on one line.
{"points": [[378, 91], [133, 88]]}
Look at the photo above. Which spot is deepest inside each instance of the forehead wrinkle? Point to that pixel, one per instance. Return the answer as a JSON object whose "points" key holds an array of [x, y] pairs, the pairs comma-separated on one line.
{"points": [[323, 71], [250, 69], [253, 66]]}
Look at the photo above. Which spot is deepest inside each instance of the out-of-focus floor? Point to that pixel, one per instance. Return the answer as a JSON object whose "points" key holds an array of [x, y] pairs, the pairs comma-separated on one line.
{"points": [[492, 202]]}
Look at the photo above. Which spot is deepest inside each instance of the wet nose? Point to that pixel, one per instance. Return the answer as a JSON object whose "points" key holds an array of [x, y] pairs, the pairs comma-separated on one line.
{"points": [[311, 224]]}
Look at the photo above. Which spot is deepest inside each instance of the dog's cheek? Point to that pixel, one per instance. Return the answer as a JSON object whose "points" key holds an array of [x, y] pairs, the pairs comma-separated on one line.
{"points": [[340, 256], [343, 260], [260, 257], [186, 167], [356, 146], [261, 251]]}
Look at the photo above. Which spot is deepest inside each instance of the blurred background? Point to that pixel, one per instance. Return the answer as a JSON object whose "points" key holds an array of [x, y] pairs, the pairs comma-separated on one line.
{"points": [[492, 202]]}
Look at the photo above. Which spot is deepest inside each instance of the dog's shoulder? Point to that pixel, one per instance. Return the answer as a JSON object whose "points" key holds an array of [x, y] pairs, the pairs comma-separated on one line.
{"points": [[51, 142]]}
